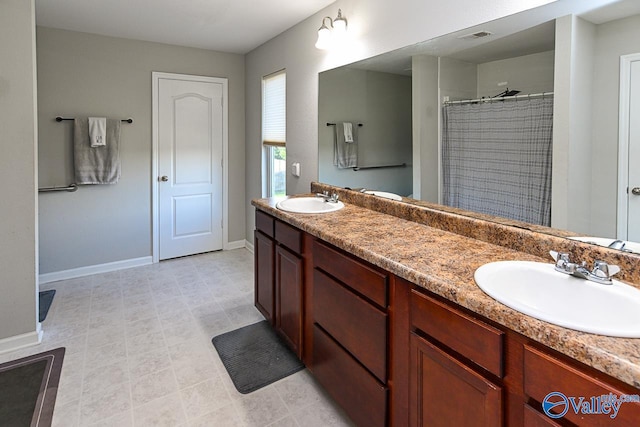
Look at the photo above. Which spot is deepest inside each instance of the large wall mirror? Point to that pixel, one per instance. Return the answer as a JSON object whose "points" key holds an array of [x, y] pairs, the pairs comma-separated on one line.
{"points": [[534, 117]]}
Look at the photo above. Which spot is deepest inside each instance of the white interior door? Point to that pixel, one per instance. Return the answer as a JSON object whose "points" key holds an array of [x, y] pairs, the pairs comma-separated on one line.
{"points": [[190, 130], [633, 215]]}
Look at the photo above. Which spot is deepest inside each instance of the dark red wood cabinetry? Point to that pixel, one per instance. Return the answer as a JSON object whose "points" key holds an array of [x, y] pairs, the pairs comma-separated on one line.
{"points": [[279, 277], [392, 353]]}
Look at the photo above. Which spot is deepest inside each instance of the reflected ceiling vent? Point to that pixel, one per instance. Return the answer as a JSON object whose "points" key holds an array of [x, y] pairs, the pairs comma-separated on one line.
{"points": [[474, 36]]}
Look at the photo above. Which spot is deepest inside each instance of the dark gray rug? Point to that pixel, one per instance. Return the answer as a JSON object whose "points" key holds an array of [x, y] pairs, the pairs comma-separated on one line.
{"points": [[45, 298], [28, 389], [255, 356]]}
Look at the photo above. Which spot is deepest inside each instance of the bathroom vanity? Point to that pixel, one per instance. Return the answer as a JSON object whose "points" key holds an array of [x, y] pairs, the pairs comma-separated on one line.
{"points": [[378, 300]]}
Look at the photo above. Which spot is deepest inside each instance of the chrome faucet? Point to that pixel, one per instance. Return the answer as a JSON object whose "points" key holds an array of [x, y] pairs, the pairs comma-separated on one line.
{"points": [[617, 244], [333, 198], [601, 272]]}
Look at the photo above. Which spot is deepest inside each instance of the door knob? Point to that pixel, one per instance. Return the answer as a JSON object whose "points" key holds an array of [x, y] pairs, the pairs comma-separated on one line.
{"points": [[635, 191], [164, 178]]}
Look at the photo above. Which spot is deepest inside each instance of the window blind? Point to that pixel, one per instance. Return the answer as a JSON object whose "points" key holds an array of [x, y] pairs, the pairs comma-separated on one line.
{"points": [[274, 109]]}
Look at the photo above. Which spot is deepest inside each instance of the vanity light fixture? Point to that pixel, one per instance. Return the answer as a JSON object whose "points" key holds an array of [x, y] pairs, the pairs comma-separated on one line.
{"points": [[328, 35]]}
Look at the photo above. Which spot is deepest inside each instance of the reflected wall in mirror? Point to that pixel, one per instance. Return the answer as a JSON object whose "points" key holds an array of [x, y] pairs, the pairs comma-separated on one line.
{"points": [[577, 57]]}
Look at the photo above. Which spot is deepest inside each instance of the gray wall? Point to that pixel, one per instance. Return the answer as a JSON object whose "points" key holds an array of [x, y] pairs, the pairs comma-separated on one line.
{"points": [[18, 251], [528, 74], [382, 103], [376, 26], [612, 39], [84, 74]]}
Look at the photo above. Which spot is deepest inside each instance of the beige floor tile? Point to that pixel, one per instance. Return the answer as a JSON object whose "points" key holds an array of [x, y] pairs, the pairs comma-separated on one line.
{"points": [[204, 398], [153, 386], [104, 403], [166, 411], [146, 363], [261, 407]]}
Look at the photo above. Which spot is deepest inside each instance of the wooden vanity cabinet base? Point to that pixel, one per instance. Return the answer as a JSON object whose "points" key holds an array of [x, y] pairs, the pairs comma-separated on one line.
{"points": [[445, 392], [361, 396]]}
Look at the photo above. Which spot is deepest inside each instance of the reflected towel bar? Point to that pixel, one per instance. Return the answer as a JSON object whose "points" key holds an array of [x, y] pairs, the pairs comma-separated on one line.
{"points": [[70, 188], [333, 124], [358, 168], [59, 119]]}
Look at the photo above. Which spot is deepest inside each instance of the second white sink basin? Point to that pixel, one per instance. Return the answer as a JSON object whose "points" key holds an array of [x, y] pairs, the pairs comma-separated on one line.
{"points": [[537, 290], [384, 194], [310, 205]]}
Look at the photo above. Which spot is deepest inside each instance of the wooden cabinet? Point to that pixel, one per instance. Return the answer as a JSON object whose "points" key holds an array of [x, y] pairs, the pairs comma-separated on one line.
{"points": [[264, 293], [446, 392], [544, 374], [350, 338], [392, 353], [452, 357], [289, 298], [279, 279]]}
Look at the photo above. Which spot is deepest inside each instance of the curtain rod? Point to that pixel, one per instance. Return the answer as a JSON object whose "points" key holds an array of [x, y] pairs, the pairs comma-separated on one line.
{"points": [[59, 119], [504, 98]]}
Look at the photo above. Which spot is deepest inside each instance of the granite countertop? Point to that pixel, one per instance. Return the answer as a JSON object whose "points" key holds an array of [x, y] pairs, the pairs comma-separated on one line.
{"points": [[444, 263]]}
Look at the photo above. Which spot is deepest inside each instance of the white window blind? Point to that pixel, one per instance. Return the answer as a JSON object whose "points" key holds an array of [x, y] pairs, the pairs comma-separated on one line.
{"points": [[274, 109]]}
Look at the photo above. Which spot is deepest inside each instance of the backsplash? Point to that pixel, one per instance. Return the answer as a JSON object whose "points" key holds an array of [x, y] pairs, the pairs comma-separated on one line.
{"points": [[522, 237]]}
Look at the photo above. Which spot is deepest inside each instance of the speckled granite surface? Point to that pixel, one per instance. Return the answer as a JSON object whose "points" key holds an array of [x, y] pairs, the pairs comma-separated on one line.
{"points": [[444, 263]]}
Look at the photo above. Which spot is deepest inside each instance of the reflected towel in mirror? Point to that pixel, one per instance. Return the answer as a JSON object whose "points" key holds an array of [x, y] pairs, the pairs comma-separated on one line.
{"points": [[345, 154]]}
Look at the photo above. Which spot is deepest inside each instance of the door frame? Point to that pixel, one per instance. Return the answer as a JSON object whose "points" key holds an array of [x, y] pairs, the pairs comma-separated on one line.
{"points": [[155, 92], [623, 144]]}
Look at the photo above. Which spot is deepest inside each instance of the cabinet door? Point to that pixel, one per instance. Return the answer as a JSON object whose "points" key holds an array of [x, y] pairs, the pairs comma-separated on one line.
{"points": [[264, 280], [445, 392], [289, 298]]}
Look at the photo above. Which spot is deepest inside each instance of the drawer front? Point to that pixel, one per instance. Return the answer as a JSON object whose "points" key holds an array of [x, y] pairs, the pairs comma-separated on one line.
{"points": [[544, 374], [356, 324], [533, 418], [361, 396], [358, 276], [445, 392], [289, 236], [472, 338], [265, 223]]}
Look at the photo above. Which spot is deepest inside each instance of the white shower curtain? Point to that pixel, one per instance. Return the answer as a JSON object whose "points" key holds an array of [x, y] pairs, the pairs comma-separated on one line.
{"points": [[496, 158]]}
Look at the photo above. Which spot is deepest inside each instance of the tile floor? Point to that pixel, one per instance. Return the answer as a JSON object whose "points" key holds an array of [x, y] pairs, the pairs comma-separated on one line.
{"points": [[139, 352]]}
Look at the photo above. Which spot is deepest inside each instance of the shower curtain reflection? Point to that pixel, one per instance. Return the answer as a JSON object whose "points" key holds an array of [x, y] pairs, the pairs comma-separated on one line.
{"points": [[496, 158]]}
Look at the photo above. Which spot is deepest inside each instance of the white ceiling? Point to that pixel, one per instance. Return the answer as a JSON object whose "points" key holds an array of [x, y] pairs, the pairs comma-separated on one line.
{"points": [[235, 26]]}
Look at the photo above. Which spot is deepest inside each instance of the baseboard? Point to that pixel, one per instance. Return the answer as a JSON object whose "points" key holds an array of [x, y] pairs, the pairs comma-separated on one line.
{"points": [[248, 245], [94, 269], [238, 244], [21, 341]]}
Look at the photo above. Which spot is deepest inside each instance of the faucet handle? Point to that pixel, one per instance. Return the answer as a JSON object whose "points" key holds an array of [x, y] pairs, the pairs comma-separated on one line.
{"points": [[603, 270], [560, 258]]}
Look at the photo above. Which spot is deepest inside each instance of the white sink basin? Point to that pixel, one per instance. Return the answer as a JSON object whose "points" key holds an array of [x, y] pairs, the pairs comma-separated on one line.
{"points": [[384, 194], [538, 290], [310, 205], [604, 241]]}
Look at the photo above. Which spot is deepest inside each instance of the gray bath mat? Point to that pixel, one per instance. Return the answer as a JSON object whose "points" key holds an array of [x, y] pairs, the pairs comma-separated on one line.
{"points": [[46, 298], [255, 357], [28, 389]]}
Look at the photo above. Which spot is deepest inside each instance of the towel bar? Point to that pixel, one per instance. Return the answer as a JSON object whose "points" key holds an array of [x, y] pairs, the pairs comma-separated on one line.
{"points": [[59, 119], [357, 168], [333, 124], [70, 188]]}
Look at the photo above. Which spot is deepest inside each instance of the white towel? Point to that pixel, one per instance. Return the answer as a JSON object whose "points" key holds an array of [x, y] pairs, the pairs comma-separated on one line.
{"points": [[348, 132], [98, 131]]}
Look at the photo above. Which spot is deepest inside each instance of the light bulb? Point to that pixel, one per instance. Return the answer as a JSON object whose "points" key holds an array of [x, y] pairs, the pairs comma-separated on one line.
{"points": [[324, 38]]}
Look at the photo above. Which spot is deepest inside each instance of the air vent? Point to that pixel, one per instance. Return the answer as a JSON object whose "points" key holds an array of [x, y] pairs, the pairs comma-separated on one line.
{"points": [[477, 35]]}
